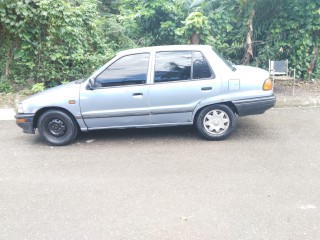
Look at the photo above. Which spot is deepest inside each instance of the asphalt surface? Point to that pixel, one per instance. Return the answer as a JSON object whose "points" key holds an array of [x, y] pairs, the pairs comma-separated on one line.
{"points": [[166, 183]]}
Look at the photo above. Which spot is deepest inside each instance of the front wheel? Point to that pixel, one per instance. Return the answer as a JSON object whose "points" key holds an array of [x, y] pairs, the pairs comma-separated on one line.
{"points": [[57, 127], [216, 122]]}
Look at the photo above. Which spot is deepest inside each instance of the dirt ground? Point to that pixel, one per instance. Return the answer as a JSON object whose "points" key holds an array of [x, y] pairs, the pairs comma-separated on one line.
{"points": [[301, 88], [283, 90], [7, 100]]}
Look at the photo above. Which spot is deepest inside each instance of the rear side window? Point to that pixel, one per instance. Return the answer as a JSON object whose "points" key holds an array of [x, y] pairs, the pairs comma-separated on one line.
{"points": [[128, 70], [181, 65], [201, 68], [173, 66]]}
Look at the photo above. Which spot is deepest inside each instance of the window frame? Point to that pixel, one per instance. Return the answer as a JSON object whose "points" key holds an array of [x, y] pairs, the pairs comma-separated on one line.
{"points": [[113, 61], [212, 76]]}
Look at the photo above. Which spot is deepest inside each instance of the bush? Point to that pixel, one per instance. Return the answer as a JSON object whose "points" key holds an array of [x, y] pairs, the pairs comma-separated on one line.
{"points": [[5, 86], [38, 87]]}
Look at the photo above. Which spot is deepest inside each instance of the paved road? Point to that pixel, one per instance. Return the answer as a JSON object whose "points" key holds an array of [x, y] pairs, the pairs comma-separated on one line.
{"points": [[166, 183]]}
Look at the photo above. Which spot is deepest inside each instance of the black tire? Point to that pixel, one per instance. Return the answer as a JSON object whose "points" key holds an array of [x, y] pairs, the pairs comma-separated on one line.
{"points": [[57, 127], [220, 126]]}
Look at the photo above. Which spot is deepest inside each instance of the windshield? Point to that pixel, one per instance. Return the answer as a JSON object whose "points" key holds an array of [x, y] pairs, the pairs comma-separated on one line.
{"points": [[227, 62], [86, 77], [89, 74]]}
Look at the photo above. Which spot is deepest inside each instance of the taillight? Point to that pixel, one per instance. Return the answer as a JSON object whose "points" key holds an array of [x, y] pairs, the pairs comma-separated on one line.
{"points": [[267, 85]]}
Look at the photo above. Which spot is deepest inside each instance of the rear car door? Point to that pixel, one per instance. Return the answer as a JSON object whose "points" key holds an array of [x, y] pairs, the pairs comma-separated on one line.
{"points": [[181, 80]]}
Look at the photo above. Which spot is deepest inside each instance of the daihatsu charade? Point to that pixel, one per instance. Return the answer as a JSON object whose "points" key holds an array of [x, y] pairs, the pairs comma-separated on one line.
{"points": [[151, 87]]}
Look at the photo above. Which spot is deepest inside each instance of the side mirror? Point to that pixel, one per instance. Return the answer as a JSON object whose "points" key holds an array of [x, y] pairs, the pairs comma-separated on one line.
{"points": [[90, 85]]}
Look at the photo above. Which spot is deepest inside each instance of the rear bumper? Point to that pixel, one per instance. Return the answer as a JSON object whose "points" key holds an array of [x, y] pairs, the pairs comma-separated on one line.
{"points": [[254, 106], [25, 121]]}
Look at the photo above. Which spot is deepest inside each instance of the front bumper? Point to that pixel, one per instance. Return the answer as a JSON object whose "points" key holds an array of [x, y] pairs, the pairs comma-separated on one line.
{"points": [[25, 121], [254, 106]]}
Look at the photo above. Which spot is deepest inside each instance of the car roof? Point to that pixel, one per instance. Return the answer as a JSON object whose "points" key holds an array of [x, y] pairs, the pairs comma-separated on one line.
{"points": [[166, 48]]}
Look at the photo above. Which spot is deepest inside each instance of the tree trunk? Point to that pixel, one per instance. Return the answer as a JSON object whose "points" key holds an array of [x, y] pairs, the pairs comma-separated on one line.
{"points": [[248, 47], [3, 39], [8, 61], [313, 61], [195, 39]]}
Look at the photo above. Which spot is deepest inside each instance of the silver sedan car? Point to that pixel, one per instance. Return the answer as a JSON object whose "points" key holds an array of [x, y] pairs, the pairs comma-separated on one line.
{"points": [[151, 87]]}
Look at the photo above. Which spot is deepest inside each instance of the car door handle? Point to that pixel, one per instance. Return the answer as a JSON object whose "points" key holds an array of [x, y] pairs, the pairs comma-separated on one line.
{"points": [[206, 89], [137, 95]]}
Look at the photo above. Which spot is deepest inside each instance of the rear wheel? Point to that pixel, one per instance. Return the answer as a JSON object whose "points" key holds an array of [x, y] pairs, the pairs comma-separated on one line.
{"points": [[216, 122], [57, 127]]}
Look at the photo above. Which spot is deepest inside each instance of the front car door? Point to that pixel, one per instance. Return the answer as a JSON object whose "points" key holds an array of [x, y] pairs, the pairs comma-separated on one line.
{"points": [[181, 80], [120, 95]]}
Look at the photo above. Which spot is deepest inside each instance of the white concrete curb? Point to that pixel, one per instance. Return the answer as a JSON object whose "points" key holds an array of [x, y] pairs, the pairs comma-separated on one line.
{"points": [[7, 114]]}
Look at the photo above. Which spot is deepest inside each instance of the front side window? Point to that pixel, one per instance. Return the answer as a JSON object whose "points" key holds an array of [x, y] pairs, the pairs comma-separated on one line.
{"points": [[128, 70], [173, 66]]}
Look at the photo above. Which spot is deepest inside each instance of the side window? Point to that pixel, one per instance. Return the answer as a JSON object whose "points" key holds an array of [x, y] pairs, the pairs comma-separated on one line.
{"points": [[201, 68], [128, 70], [173, 66]]}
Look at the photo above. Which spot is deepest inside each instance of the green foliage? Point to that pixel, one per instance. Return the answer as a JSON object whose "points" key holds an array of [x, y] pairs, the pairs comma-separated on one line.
{"points": [[195, 23], [152, 22], [294, 35], [227, 29], [38, 87], [54, 41], [5, 86]]}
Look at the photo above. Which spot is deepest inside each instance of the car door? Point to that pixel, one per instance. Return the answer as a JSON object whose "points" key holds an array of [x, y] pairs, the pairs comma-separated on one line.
{"points": [[181, 80], [120, 95]]}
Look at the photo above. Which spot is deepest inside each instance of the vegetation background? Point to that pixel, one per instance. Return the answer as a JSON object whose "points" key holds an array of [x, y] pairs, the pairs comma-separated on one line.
{"points": [[48, 42]]}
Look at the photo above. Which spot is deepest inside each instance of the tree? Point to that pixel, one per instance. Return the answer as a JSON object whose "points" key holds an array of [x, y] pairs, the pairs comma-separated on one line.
{"points": [[50, 41], [151, 22], [56, 40]]}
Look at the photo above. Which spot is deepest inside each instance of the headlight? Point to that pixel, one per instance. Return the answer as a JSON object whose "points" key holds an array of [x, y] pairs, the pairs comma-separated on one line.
{"points": [[20, 108]]}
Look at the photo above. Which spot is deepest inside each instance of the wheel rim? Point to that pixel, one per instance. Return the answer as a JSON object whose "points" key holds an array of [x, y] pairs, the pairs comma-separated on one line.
{"points": [[216, 122], [56, 127]]}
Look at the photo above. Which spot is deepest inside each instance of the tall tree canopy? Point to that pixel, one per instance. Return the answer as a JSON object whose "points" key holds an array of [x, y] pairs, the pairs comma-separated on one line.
{"points": [[51, 41]]}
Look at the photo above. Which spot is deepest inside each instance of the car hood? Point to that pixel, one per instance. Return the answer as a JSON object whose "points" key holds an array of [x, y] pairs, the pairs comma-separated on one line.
{"points": [[56, 96], [56, 90]]}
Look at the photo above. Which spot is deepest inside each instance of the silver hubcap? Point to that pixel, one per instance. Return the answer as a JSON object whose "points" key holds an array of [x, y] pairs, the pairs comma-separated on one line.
{"points": [[216, 122]]}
